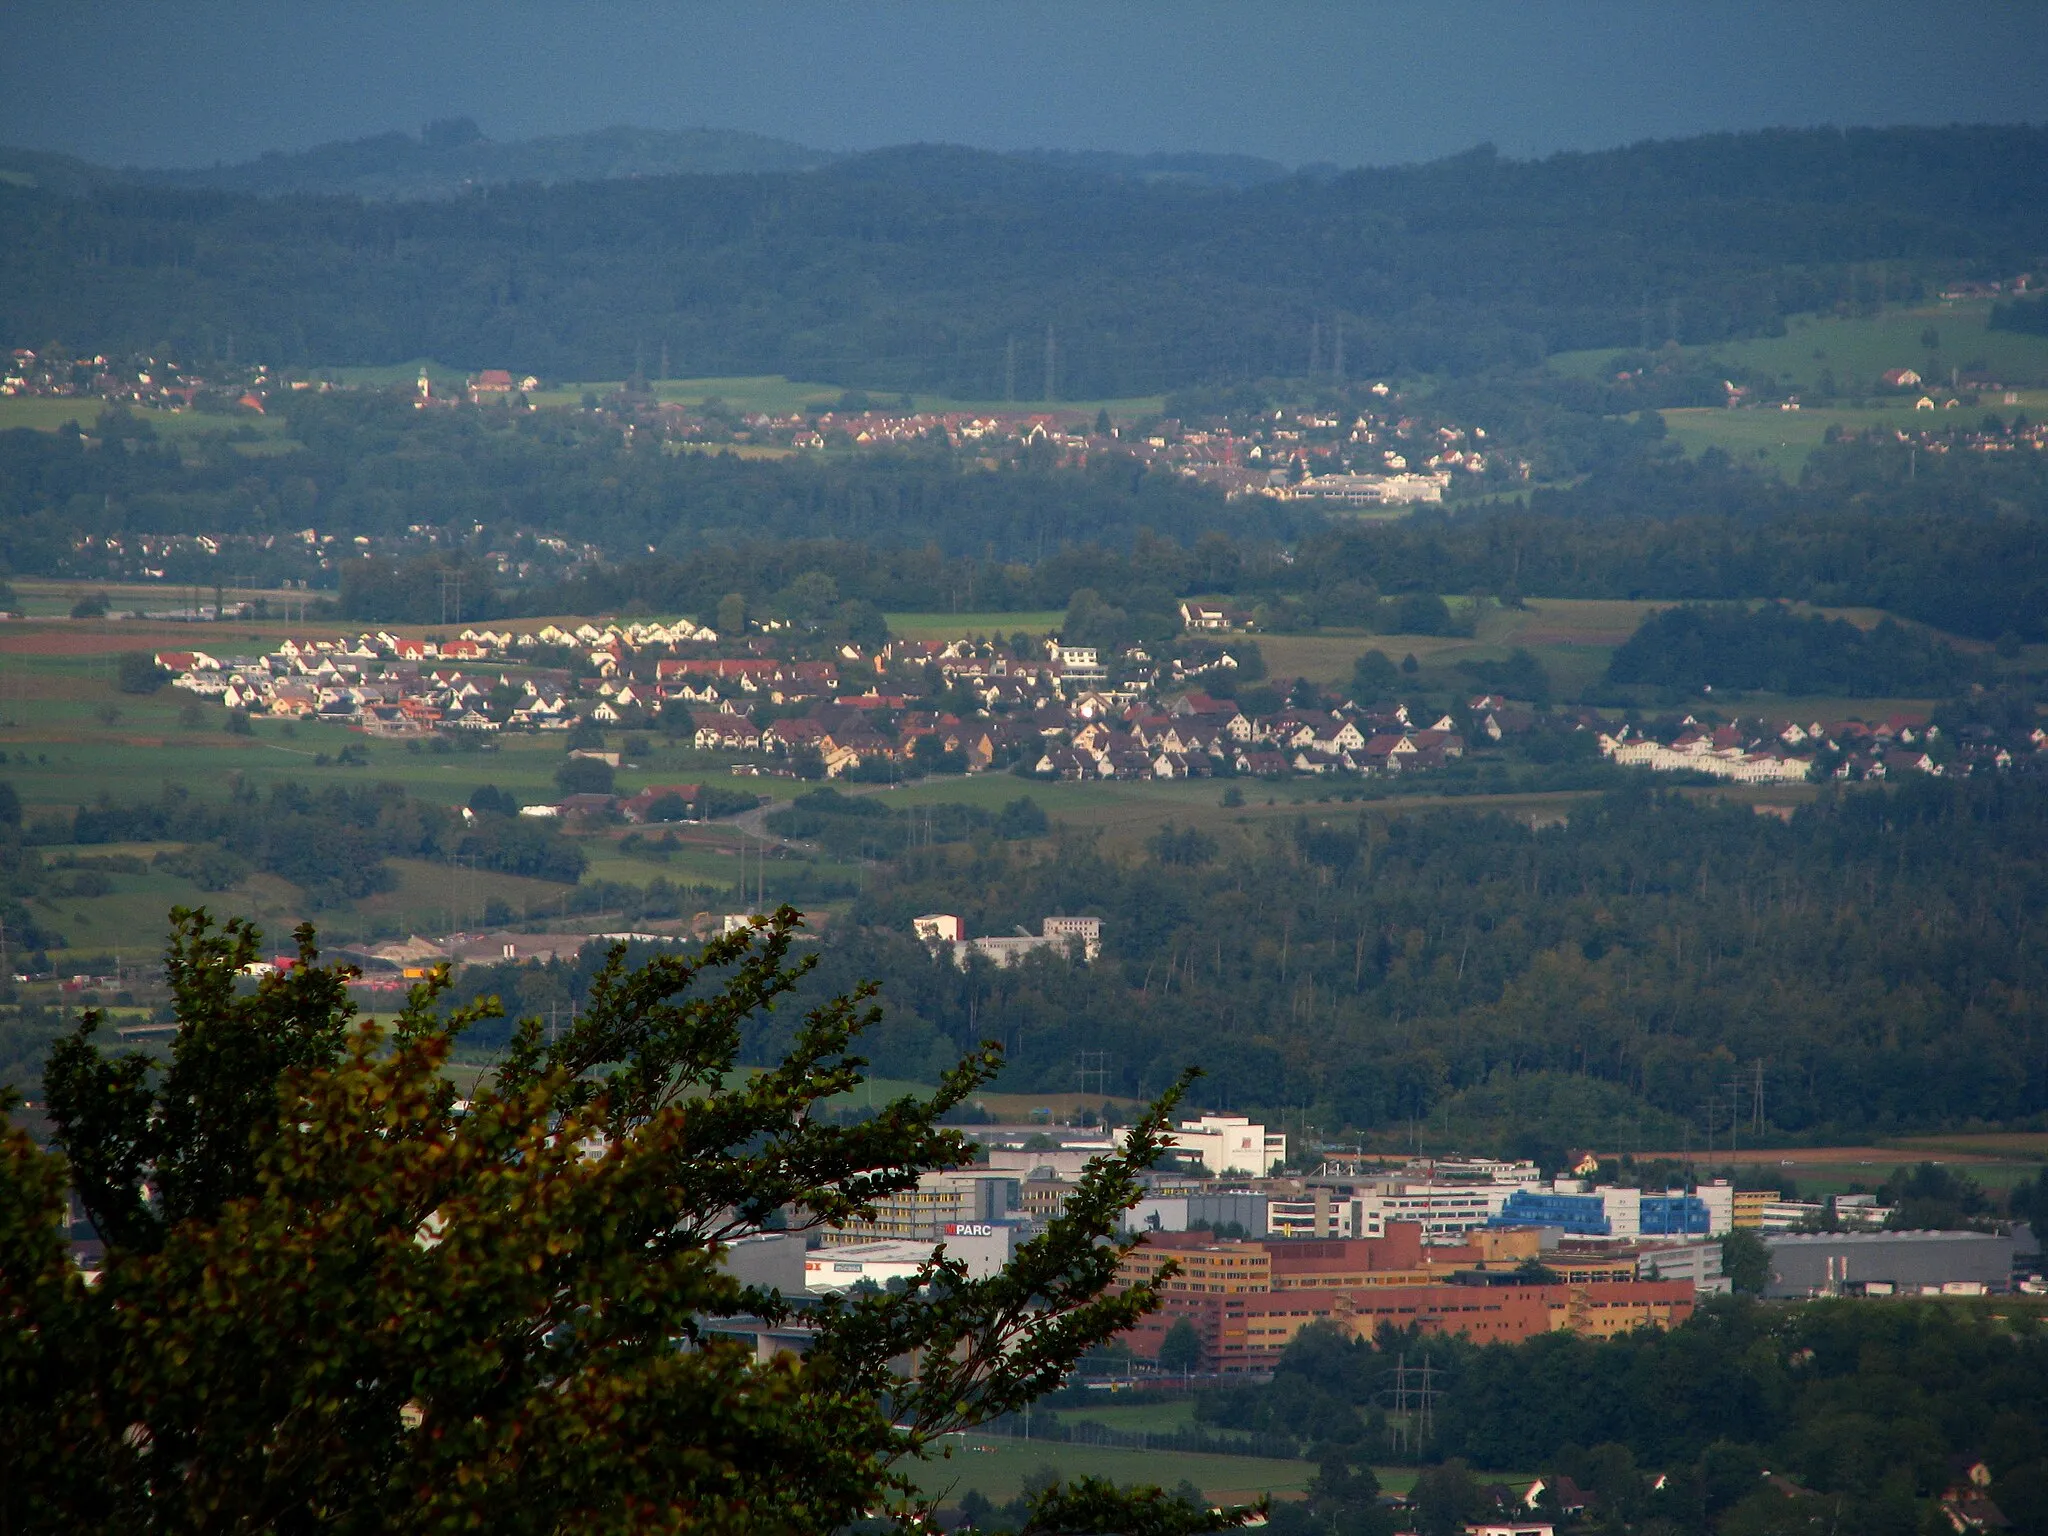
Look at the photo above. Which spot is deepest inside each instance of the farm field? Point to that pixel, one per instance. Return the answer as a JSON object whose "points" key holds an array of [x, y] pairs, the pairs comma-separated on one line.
{"points": [[2022, 1144], [43, 598]]}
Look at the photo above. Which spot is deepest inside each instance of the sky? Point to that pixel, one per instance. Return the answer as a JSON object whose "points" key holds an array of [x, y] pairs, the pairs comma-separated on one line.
{"points": [[150, 82]]}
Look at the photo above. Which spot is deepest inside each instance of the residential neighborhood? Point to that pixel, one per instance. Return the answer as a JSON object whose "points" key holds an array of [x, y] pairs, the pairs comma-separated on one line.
{"points": [[1756, 751], [1059, 715]]}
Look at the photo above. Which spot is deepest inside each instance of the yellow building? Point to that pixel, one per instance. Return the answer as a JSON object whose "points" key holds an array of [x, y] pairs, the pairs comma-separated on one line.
{"points": [[1749, 1206], [1207, 1269], [1602, 1311]]}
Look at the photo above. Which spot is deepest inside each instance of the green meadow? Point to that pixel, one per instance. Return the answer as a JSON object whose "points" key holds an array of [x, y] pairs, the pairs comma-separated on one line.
{"points": [[49, 414], [1856, 350], [780, 396], [1853, 353]]}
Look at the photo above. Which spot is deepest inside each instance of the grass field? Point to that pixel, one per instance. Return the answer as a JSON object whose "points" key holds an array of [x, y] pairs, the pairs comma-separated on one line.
{"points": [[1855, 352], [1147, 1418], [446, 380], [780, 396], [47, 415], [953, 626], [1782, 440], [1858, 350], [997, 1467]]}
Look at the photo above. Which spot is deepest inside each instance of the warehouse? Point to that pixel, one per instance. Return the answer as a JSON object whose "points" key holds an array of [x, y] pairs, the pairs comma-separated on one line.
{"points": [[1888, 1263]]}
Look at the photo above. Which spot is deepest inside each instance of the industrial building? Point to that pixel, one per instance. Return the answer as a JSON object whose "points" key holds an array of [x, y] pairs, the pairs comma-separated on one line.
{"points": [[984, 1247], [1888, 1263], [939, 1203], [1201, 1212], [1248, 1300]]}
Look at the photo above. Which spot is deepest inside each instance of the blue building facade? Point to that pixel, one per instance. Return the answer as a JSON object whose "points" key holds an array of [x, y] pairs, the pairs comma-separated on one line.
{"points": [[1580, 1215], [1668, 1215], [1675, 1216]]}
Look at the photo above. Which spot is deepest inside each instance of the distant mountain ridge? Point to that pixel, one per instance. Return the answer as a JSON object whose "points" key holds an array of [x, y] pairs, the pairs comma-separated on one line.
{"points": [[451, 156], [454, 155]]}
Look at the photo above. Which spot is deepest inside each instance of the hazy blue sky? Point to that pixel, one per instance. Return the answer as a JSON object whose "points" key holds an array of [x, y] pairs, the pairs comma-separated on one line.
{"points": [[180, 82]]}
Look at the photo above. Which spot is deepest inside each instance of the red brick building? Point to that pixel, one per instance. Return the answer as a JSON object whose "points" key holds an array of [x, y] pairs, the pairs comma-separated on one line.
{"points": [[1248, 1300]]}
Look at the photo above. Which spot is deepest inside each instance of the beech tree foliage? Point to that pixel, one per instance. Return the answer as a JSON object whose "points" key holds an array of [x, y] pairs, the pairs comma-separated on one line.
{"points": [[338, 1296]]}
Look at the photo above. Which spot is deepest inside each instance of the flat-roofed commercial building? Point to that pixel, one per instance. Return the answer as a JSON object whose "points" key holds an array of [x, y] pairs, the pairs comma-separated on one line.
{"points": [[1247, 1301], [1833, 1263], [984, 1247], [1245, 1332], [1750, 1205], [940, 1201]]}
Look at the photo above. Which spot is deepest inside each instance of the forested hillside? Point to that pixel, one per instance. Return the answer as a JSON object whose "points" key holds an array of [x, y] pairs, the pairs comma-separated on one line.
{"points": [[922, 267], [1586, 984]]}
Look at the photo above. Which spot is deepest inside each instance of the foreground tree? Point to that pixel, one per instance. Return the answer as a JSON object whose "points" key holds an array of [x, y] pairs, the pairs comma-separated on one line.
{"points": [[337, 1297]]}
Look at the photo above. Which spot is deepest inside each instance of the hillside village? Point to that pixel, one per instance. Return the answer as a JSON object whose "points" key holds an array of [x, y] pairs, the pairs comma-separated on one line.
{"points": [[973, 705], [1370, 457]]}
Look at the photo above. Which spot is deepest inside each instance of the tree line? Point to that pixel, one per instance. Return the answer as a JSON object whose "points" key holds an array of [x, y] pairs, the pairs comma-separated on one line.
{"points": [[1948, 539], [1863, 1414], [1719, 649], [983, 275]]}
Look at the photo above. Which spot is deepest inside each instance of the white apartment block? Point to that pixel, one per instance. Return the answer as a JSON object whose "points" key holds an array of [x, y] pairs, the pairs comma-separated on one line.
{"points": [[1445, 1212], [1230, 1144]]}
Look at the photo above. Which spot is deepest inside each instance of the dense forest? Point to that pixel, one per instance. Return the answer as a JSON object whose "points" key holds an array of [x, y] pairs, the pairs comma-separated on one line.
{"points": [[1591, 983], [1690, 649], [1863, 1415], [936, 268]]}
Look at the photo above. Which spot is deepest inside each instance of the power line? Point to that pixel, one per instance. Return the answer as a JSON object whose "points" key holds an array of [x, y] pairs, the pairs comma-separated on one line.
{"points": [[1420, 1398]]}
